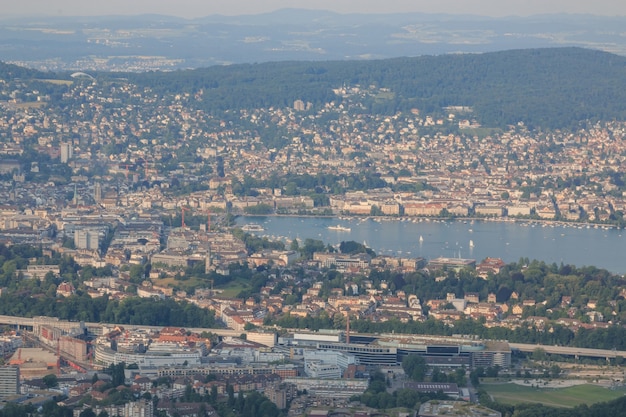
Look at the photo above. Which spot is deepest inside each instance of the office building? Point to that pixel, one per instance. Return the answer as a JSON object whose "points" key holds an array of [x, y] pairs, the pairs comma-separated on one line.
{"points": [[66, 152], [9, 381]]}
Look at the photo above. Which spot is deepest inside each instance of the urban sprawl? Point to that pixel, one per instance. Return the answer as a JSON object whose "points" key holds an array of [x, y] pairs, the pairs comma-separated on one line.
{"points": [[121, 177]]}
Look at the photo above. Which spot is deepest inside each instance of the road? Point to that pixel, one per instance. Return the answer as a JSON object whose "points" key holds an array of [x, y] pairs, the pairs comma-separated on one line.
{"points": [[570, 351]]}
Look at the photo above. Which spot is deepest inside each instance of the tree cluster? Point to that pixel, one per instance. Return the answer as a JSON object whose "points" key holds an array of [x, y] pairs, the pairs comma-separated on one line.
{"points": [[377, 396]]}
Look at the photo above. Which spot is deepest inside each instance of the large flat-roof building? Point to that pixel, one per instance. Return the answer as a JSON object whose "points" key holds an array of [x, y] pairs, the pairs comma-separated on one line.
{"points": [[334, 388], [449, 389], [369, 355], [451, 263], [35, 362], [446, 352]]}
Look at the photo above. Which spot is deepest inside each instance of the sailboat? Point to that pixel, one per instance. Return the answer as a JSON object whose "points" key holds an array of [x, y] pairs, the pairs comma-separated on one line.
{"points": [[421, 239], [471, 244]]}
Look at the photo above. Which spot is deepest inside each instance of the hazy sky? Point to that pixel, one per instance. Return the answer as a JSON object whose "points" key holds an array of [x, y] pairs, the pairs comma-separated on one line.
{"points": [[198, 8]]}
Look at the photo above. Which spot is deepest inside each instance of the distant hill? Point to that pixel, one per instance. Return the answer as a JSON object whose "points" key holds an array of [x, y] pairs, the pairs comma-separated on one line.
{"points": [[547, 88], [154, 42]]}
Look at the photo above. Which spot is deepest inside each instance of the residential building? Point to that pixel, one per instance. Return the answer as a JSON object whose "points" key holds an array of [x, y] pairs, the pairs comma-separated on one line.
{"points": [[9, 381]]}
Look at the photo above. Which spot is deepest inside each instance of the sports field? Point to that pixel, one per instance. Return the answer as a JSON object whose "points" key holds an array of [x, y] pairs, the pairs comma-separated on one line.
{"points": [[510, 393]]}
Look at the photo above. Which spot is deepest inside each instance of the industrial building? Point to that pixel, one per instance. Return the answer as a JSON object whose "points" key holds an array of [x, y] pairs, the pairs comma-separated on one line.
{"points": [[35, 362]]}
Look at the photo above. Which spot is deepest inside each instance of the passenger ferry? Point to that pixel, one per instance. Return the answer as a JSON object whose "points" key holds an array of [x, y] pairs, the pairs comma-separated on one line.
{"points": [[252, 227], [339, 228]]}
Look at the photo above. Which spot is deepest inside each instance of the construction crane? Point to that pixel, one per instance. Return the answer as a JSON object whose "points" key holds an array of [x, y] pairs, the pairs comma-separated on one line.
{"points": [[58, 357]]}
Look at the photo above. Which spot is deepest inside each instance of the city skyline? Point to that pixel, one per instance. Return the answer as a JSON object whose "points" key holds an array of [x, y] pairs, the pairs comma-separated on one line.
{"points": [[196, 8]]}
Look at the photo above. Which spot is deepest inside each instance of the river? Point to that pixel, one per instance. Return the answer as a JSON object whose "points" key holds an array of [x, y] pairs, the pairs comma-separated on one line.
{"points": [[578, 245]]}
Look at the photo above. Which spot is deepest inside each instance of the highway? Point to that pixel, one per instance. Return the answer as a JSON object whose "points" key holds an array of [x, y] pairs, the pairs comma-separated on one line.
{"points": [[51, 321], [17, 321], [570, 351], [524, 347]]}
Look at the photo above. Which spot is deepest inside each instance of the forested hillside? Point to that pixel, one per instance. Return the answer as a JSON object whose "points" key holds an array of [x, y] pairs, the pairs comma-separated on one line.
{"points": [[545, 88], [12, 72]]}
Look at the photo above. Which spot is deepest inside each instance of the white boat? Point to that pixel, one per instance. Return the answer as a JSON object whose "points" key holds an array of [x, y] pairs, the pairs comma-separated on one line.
{"points": [[252, 227], [471, 244], [339, 228], [421, 238]]}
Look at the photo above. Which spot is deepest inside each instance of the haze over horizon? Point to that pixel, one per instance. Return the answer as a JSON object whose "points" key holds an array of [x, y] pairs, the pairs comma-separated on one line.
{"points": [[200, 8]]}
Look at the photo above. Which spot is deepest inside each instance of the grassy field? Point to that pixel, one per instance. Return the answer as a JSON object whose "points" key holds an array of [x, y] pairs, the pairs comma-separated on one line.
{"points": [[171, 282], [229, 290], [233, 288], [558, 397], [59, 82], [482, 132]]}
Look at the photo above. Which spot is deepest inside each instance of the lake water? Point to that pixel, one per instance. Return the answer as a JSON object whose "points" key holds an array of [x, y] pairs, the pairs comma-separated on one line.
{"points": [[569, 244]]}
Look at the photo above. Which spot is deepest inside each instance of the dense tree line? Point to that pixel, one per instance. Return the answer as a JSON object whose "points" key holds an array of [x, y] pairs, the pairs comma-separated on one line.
{"points": [[133, 310]]}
